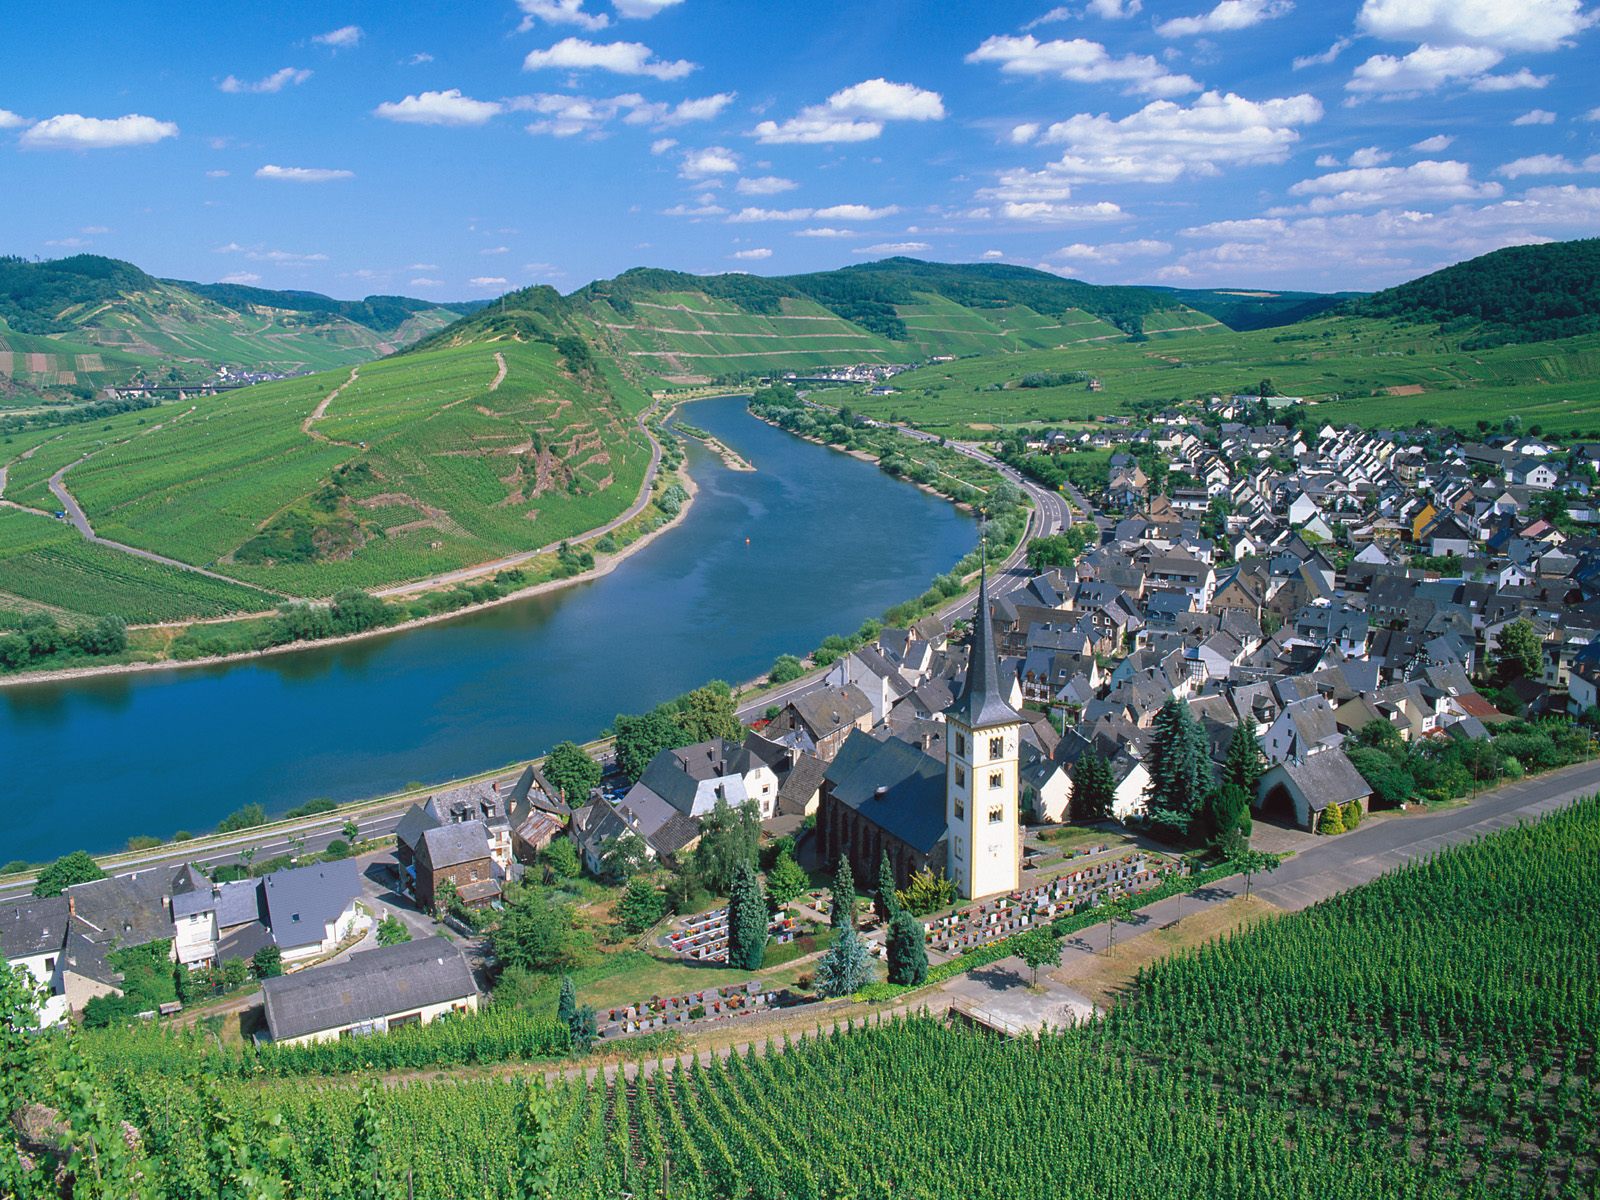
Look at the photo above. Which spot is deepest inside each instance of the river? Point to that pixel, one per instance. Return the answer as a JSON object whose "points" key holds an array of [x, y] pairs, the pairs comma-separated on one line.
{"points": [[764, 563]]}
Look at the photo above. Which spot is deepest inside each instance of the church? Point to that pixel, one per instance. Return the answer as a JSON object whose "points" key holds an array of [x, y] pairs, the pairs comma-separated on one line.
{"points": [[957, 816]]}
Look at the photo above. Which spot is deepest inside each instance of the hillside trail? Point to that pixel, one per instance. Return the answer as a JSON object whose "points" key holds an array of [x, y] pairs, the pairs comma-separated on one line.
{"points": [[500, 372], [321, 410]]}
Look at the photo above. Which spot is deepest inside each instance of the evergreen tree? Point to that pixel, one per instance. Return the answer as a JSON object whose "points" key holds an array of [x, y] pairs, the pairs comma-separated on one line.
{"points": [[844, 894], [884, 901], [908, 956], [567, 1006], [845, 967], [1332, 820], [1093, 787], [747, 920], [1179, 763], [1231, 811], [1352, 814], [1245, 763]]}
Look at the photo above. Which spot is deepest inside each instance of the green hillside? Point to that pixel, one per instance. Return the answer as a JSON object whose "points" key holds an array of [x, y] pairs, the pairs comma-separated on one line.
{"points": [[1519, 294], [1241, 309]]}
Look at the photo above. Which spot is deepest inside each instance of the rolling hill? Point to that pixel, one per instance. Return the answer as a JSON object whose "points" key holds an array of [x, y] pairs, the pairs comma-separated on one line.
{"points": [[163, 326]]}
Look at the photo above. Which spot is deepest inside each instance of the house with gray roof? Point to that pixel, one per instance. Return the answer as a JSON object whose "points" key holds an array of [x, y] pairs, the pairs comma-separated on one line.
{"points": [[309, 909], [376, 991], [457, 853], [883, 797], [1302, 789]]}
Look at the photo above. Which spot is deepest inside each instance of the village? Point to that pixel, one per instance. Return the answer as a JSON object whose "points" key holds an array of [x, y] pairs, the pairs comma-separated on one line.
{"points": [[1336, 620]]}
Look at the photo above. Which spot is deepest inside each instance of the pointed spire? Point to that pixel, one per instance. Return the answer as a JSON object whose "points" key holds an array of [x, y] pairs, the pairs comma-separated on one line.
{"points": [[983, 700]]}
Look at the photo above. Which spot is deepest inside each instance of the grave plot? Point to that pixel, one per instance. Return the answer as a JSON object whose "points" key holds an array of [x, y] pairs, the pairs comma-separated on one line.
{"points": [[676, 1012]]}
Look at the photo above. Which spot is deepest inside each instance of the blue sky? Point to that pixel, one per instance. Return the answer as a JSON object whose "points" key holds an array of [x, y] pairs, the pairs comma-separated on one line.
{"points": [[454, 151]]}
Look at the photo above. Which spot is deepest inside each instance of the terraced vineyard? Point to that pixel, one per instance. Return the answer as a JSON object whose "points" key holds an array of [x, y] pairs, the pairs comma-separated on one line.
{"points": [[30, 362], [1432, 1034]]}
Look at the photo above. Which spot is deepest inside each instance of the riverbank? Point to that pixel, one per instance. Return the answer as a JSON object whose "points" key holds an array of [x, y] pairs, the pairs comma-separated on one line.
{"points": [[605, 563]]}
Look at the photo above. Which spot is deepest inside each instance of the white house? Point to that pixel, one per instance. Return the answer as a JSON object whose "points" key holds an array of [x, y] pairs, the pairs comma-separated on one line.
{"points": [[692, 779], [33, 933]]}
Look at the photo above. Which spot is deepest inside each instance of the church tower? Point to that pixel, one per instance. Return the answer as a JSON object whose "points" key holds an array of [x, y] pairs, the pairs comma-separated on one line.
{"points": [[984, 854]]}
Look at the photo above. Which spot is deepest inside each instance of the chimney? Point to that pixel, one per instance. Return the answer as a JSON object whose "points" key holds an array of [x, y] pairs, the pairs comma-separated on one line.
{"points": [[880, 792], [72, 907]]}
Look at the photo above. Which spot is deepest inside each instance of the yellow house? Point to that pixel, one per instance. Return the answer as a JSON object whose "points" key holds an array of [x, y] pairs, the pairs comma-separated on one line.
{"points": [[1425, 514]]}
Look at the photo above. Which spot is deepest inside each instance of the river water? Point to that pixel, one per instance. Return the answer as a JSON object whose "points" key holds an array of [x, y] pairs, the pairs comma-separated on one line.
{"points": [[763, 564]]}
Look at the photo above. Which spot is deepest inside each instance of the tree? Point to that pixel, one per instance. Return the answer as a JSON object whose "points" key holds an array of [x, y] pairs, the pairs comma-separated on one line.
{"points": [[786, 669], [641, 906], [560, 859], [844, 895], [1179, 763], [707, 712], [573, 772], [1245, 764], [730, 838], [1391, 783], [267, 963], [1332, 820], [884, 901], [1093, 787], [785, 881], [908, 955], [1118, 909], [247, 817], [567, 1004], [351, 831], [1519, 653], [1038, 948], [640, 739], [926, 892], [234, 972], [355, 611], [747, 920], [1248, 862], [622, 857], [845, 966], [535, 933], [392, 931], [1231, 812], [67, 870]]}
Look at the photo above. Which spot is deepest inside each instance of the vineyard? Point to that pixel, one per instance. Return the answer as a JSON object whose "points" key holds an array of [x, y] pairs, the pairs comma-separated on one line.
{"points": [[1432, 1034]]}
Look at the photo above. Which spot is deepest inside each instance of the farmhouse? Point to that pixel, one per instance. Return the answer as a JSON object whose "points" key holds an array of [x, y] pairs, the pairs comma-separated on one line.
{"points": [[376, 991]]}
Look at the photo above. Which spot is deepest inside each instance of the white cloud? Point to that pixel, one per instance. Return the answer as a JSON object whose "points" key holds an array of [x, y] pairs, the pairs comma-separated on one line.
{"points": [[642, 10], [826, 231], [1113, 10], [701, 210], [244, 277], [764, 185], [709, 162], [1369, 156], [1022, 134], [748, 215], [893, 248], [560, 12], [834, 212], [665, 116], [68, 243], [1365, 187], [303, 174], [1112, 252], [439, 108], [1536, 116], [563, 114], [1434, 145], [1339, 46], [1081, 61], [1522, 78], [70, 131], [620, 58], [1226, 17], [218, 174], [1163, 142], [1329, 161], [424, 281], [10, 120], [753, 253], [992, 254], [855, 114], [261, 254], [1425, 69], [662, 145], [495, 250], [275, 82], [1549, 164], [483, 281], [343, 38], [417, 59], [95, 230], [1524, 25], [1045, 212]]}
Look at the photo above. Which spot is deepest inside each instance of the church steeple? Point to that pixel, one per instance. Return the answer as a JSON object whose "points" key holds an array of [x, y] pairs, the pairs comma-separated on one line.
{"points": [[982, 700]]}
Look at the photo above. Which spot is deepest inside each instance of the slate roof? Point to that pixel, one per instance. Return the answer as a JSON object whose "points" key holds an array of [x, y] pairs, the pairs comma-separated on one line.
{"points": [[377, 983], [454, 844], [982, 701], [826, 710], [33, 926], [1326, 778], [302, 901], [128, 910], [802, 782], [244, 941], [239, 903], [911, 806]]}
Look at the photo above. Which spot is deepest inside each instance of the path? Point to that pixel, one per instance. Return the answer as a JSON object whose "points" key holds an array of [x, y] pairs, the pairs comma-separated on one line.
{"points": [[321, 411], [500, 372]]}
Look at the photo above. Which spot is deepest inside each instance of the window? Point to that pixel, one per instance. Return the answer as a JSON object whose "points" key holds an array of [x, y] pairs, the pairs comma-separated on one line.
{"points": [[961, 849], [997, 747], [961, 777], [961, 743], [997, 780], [961, 809], [997, 814]]}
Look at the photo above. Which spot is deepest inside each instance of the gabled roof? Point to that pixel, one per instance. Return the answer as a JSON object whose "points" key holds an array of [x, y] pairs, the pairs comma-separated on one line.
{"points": [[377, 983], [454, 844], [303, 901], [894, 785], [33, 926]]}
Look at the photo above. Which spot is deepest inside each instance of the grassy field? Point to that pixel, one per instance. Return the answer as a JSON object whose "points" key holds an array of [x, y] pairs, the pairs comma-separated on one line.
{"points": [[1347, 365], [415, 468]]}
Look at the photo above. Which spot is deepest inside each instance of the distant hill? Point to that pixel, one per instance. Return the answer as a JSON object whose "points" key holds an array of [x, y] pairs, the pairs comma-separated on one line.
{"points": [[1253, 309], [105, 304], [1519, 294]]}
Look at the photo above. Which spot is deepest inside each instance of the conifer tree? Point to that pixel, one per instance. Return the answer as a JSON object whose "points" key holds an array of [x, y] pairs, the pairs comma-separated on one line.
{"points": [[1093, 787], [1179, 763], [567, 1006], [844, 894], [1245, 763], [1332, 820], [908, 956], [747, 920], [845, 967], [884, 900]]}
